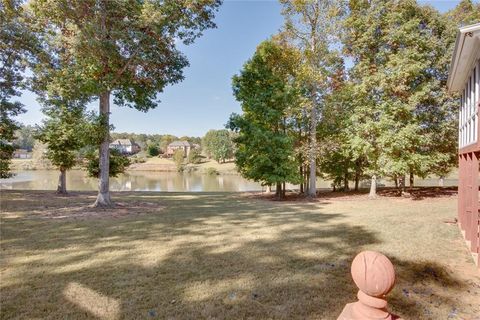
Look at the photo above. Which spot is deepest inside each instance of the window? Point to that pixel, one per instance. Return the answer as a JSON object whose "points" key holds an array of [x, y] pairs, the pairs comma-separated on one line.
{"points": [[468, 116]]}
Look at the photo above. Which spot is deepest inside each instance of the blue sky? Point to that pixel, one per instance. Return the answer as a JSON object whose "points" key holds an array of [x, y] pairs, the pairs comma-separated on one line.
{"points": [[204, 99]]}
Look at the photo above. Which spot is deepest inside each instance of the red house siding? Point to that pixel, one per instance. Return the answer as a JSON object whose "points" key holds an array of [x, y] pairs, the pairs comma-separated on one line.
{"points": [[464, 78], [468, 194]]}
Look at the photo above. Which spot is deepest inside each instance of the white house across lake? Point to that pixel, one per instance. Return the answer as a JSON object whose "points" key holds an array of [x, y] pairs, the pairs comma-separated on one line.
{"points": [[125, 146]]}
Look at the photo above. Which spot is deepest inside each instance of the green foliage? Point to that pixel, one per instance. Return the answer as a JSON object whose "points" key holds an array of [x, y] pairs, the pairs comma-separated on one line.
{"points": [[336, 161], [6, 152], [403, 120], [96, 129], [218, 144], [312, 27], [159, 140], [118, 163], [152, 150], [178, 158], [25, 137], [194, 156], [16, 45], [264, 150], [64, 132], [127, 48], [38, 156]]}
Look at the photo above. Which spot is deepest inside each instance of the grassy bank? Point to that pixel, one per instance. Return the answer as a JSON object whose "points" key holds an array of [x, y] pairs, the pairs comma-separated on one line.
{"points": [[167, 165], [150, 164], [225, 256]]}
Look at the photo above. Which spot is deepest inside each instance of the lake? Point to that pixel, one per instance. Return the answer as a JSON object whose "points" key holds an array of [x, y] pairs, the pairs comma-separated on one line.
{"points": [[158, 181]]}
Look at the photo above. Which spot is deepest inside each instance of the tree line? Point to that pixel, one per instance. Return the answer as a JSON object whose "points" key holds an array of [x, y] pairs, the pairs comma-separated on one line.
{"points": [[350, 90]]}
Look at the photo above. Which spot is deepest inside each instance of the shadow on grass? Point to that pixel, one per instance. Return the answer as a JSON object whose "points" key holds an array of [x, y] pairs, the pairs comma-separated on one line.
{"points": [[207, 256]]}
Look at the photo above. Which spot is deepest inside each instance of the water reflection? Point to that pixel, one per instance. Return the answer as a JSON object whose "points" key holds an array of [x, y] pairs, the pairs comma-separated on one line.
{"points": [[156, 181], [131, 181]]}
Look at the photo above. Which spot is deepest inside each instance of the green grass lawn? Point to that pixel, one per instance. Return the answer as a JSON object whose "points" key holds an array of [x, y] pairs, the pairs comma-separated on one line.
{"points": [[167, 164], [225, 256]]}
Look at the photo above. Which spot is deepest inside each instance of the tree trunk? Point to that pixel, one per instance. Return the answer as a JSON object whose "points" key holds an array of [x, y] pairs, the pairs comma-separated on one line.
{"points": [[62, 182], [345, 183], [401, 182], [301, 175], [307, 179], [441, 182], [312, 190], [278, 191], [103, 197], [283, 190], [411, 179], [357, 177], [373, 188], [395, 180]]}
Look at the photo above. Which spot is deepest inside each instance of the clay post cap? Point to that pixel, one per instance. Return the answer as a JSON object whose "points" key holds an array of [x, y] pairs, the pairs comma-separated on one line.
{"points": [[373, 273]]}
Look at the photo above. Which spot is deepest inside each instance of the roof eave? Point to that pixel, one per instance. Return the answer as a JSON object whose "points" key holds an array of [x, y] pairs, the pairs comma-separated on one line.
{"points": [[470, 30], [454, 63]]}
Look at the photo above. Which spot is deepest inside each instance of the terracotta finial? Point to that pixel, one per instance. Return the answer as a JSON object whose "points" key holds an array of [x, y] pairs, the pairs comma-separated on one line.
{"points": [[374, 275]]}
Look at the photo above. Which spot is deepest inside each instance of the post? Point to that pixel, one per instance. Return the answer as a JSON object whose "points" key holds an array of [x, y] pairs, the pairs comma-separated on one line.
{"points": [[374, 275]]}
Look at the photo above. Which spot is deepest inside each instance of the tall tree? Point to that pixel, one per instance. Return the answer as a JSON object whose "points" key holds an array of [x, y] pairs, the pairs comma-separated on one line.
{"points": [[337, 160], [16, 46], [265, 150], [465, 13], [178, 158], [126, 49], [312, 26], [399, 72], [363, 27], [218, 144]]}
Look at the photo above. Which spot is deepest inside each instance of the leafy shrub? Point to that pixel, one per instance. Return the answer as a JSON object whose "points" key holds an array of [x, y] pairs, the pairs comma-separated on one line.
{"points": [[152, 150], [194, 157]]}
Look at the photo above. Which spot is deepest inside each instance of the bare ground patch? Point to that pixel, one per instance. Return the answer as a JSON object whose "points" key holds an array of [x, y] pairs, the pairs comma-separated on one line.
{"points": [[78, 205], [119, 210]]}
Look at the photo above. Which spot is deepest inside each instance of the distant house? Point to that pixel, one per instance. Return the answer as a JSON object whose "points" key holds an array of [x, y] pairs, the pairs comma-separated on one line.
{"points": [[125, 146], [22, 154], [180, 145]]}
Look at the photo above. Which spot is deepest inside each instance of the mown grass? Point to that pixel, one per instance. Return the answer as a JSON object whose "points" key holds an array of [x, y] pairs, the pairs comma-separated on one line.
{"points": [[167, 164], [225, 256]]}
